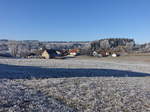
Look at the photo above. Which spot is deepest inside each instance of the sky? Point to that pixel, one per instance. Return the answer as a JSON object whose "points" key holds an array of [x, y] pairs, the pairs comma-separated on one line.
{"points": [[74, 20]]}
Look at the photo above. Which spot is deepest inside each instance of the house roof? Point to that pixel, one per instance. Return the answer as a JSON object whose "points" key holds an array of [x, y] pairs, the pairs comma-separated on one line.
{"points": [[73, 51]]}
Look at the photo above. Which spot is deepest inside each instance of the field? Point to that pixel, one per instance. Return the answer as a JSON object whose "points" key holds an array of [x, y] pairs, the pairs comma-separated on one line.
{"points": [[82, 84]]}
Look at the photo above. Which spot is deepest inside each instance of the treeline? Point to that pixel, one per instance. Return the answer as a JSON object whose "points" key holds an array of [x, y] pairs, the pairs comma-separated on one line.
{"points": [[112, 44], [116, 45], [23, 48]]}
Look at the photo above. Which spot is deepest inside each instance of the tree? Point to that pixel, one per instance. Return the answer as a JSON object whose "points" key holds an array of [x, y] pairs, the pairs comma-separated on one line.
{"points": [[13, 48]]}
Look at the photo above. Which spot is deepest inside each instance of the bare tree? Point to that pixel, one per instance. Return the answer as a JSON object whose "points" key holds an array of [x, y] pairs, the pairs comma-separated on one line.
{"points": [[13, 48], [23, 49]]}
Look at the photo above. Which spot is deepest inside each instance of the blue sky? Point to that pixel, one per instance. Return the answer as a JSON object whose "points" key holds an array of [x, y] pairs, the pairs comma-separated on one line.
{"points": [[69, 20]]}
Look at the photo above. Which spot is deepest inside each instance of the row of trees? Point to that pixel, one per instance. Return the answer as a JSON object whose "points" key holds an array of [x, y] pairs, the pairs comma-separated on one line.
{"points": [[24, 48], [113, 44]]}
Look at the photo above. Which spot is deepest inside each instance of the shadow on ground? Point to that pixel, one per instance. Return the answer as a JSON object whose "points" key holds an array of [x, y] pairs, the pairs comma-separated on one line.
{"points": [[28, 72]]}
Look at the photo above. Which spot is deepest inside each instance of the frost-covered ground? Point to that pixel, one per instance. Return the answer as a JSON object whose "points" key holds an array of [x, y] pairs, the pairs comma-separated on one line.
{"points": [[77, 84], [133, 63], [17, 97], [98, 94]]}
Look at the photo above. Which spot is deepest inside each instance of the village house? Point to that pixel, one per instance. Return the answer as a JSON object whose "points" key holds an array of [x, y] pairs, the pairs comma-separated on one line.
{"points": [[101, 53], [49, 53], [73, 52], [64, 52], [115, 54]]}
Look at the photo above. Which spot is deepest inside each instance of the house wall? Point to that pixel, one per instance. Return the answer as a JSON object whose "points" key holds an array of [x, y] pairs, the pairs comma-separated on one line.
{"points": [[45, 55], [73, 53]]}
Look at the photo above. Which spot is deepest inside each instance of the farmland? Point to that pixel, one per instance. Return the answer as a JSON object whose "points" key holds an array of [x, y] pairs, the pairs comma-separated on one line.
{"points": [[82, 84]]}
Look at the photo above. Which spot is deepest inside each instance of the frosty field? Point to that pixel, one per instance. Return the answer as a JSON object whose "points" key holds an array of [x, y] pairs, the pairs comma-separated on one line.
{"points": [[82, 84]]}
